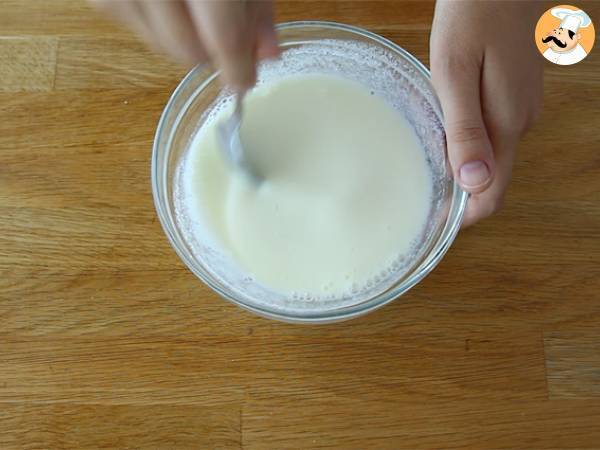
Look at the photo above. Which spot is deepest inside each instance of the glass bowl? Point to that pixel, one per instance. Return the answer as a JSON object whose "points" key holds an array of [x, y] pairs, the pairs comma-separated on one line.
{"points": [[314, 47]]}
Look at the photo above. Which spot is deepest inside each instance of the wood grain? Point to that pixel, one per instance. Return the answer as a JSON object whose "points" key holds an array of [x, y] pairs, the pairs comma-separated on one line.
{"points": [[466, 424], [108, 341], [573, 362], [131, 65], [27, 63], [28, 426], [180, 370]]}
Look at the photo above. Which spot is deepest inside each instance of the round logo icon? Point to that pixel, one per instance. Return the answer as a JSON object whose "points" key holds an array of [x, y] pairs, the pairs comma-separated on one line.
{"points": [[565, 35]]}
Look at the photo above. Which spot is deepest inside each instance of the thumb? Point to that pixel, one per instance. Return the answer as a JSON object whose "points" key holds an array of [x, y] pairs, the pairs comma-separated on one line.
{"points": [[469, 148]]}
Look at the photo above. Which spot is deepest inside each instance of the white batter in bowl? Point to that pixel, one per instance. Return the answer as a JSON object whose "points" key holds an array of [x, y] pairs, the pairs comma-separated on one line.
{"points": [[357, 203]]}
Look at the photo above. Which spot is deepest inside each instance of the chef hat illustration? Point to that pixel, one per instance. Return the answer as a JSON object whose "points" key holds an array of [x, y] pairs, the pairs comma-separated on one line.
{"points": [[571, 19]]}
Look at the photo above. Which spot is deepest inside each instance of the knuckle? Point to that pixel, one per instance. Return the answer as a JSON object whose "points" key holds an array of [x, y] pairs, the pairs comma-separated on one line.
{"points": [[493, 206], [482, 209], [518, 124], [532, 117], [497, 205], [454, 65], [536, 111], [462, 132]]}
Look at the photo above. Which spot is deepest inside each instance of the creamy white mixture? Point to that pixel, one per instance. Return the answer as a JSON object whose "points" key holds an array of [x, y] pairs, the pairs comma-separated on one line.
{"points": [[346, 191]]}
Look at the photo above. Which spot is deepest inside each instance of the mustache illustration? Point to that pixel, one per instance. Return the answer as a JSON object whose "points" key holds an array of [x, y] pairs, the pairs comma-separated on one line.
{"points": [[556, 41]]}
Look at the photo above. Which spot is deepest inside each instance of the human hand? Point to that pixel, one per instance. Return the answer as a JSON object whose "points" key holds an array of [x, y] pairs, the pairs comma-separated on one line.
{"points": [[233, 34], [488, 76]]}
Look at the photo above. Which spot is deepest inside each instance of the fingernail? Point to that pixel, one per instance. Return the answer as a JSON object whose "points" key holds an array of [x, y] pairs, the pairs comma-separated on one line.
{"points": [[474, 173]]}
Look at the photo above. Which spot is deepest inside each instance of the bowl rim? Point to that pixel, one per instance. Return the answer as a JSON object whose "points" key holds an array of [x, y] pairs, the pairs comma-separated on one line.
{"points": [[449, 231]]}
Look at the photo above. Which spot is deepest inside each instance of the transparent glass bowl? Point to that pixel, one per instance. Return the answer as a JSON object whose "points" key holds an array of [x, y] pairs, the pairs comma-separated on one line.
{"points": [[322, 47]]}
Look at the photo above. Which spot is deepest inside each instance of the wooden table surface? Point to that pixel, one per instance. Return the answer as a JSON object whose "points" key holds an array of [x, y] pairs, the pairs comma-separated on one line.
{"points": [[108, 341]]}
